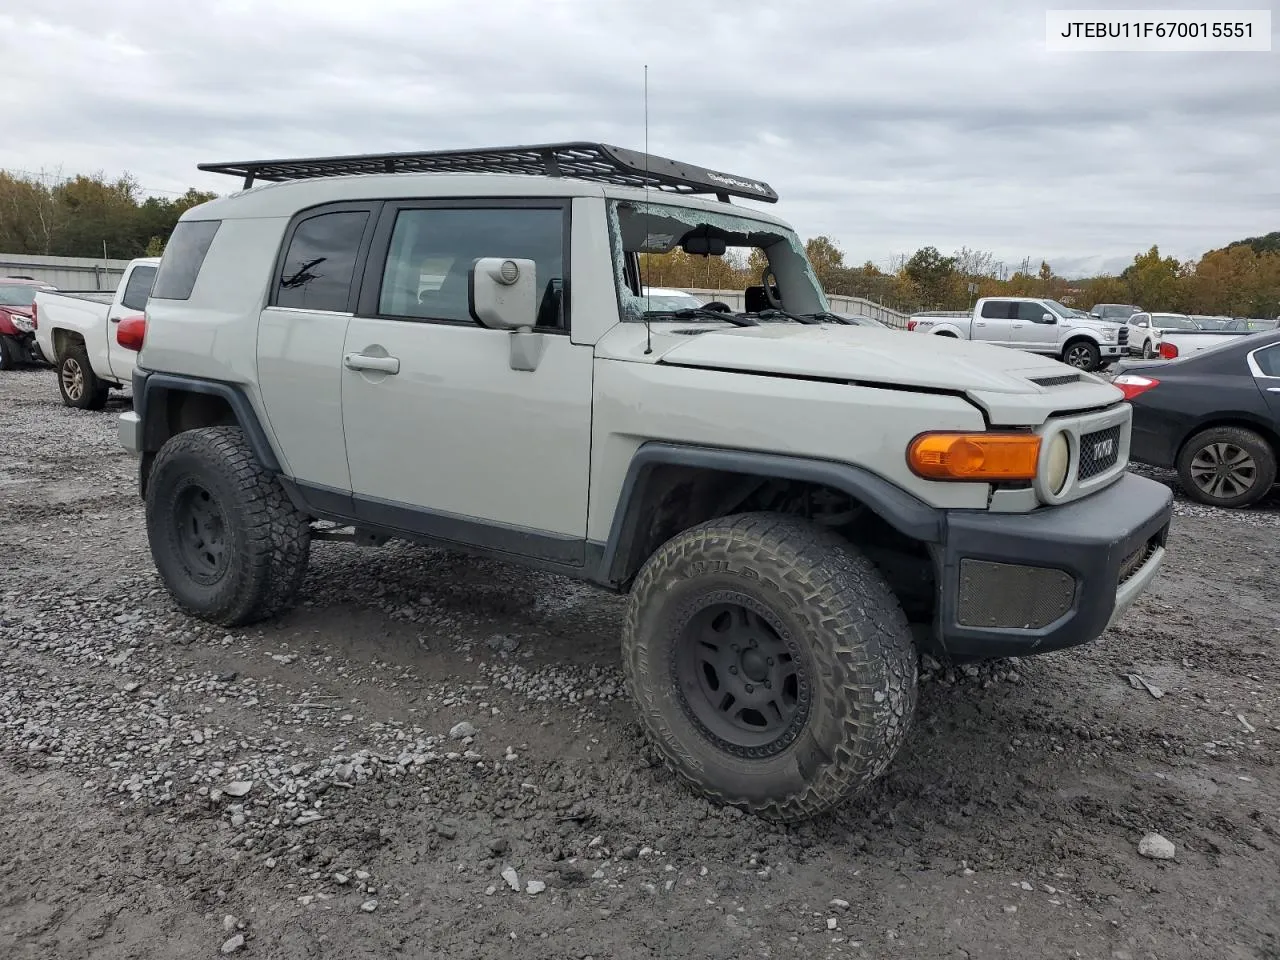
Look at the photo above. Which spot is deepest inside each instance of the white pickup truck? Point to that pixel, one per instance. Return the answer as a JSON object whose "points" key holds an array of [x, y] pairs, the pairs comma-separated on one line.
{"points": [[77, 332], [1036, 326]]}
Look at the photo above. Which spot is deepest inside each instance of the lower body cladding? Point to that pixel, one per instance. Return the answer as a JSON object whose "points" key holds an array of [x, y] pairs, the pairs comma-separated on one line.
{"points": [[1018, 584]]}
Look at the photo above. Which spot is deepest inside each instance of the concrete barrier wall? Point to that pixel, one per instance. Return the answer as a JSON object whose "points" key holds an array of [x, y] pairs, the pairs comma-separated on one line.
{"points": [[66, 273]]}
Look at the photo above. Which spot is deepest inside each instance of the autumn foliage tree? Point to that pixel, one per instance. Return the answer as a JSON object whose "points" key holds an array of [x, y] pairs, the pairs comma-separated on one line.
{"points": [[75, 217]]}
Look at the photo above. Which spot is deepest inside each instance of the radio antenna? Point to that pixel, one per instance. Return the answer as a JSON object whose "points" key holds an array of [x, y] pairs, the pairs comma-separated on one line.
{"points": [[644, 279]]}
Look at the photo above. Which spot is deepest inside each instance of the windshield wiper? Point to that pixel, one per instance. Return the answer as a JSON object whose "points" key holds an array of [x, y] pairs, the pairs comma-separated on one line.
{"points": [[772, 312], [832, 318], [701, 313]]}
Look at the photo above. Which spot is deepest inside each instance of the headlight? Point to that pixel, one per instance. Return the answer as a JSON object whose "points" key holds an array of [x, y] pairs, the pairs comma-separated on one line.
{"points": [[1057, 464], [25, 324], [1109, 335]]}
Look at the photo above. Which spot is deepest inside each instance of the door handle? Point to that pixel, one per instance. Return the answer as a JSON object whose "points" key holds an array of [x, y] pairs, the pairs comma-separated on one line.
{"points": [[115, 319], [979, 323], [1017, 326], [360, 361], [1273, 389]]}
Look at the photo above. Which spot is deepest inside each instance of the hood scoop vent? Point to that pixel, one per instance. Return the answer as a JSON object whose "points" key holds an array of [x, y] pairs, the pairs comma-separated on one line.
{"points": [[1058, 381]]}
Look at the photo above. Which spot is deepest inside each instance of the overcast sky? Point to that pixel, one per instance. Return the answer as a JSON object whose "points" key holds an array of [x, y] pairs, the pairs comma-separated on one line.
{"points": [[888, 125]]}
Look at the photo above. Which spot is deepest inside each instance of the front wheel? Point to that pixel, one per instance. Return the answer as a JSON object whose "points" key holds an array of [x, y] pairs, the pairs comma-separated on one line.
{"points": [[227, 541], [1148, 350], [1227, 467], [1083, 355], [8, 353], [770, 664]]}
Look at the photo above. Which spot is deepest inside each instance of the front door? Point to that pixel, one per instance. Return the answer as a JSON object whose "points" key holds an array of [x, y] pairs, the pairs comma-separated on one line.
{"points": [[444, 438], [1031, 331]]}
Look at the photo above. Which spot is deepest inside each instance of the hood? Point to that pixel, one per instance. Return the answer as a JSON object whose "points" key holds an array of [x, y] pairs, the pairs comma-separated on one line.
{"points": [[19, 311], [1000, 380]]}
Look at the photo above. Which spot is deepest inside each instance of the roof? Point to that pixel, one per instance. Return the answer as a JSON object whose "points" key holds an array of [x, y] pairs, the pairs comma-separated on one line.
{"points": [[26, 281]]}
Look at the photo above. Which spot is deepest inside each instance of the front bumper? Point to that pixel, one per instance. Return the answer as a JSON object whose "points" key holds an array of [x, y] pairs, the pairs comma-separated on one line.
{"points": [[1018, 584], [1113, 350]]}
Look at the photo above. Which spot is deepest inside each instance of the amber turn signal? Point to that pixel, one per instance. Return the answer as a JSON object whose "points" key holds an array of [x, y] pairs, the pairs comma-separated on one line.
{"points": [[975, 456]]}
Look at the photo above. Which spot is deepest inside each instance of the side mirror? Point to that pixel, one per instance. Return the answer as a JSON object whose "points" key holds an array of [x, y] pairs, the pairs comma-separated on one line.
{"points": [[1048, 318], [503, 293]]}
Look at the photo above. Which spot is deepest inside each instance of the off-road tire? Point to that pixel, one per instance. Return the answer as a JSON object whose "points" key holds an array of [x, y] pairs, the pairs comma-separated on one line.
{"points": [[8, 353], [267, 541], [853, 639], [1253, 444], [1083, 355], [92, 393]]}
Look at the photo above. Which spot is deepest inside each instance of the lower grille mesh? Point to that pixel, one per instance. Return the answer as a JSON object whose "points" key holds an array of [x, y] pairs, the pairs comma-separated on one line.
{"points": [[1011, 595]]}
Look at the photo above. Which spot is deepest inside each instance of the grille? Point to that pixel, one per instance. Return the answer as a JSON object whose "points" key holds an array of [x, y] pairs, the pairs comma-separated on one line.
{"points": [[1134, 561], [1099, 452], [1122, 336], [1011, 595], [1061, 381]]}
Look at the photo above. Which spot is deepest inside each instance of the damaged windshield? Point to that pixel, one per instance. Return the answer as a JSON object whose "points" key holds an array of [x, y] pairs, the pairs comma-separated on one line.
{"points": [[734, 255]]}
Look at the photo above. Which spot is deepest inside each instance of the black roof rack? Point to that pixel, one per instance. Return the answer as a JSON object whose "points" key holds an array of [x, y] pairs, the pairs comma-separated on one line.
{"points": [[582, 161]]}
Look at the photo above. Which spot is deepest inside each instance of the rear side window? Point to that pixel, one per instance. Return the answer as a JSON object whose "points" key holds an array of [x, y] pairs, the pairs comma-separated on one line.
{"points": [[318, 266], [183, 256], [1268, 361], [998, 309], [138, 288]]}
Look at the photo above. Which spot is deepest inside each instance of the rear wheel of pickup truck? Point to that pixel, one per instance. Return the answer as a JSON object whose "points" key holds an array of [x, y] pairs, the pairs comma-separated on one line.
{"points": [[770, 663], [79, 385], [226, 540]]}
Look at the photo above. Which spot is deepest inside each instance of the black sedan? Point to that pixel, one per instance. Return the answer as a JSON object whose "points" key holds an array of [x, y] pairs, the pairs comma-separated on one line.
{"points": [[1213, 416]]}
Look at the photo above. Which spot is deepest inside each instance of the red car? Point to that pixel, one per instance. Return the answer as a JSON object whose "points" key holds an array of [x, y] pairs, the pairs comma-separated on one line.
{"points": [[18, 322]]}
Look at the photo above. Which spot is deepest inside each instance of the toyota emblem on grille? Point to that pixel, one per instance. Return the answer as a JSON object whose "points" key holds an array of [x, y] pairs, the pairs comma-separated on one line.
{"points": [[1104, 449]]}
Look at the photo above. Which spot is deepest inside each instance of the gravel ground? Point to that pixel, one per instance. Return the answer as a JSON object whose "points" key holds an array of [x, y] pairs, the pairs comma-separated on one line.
{"points": [[431, 757]]}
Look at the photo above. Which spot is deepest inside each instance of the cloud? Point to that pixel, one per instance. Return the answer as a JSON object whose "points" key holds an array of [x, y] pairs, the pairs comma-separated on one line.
{"points": [[887, 125]]}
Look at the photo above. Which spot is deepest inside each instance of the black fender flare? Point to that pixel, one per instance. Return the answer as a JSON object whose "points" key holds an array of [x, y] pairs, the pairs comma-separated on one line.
{"points": [[150, 390], [902, 510]]}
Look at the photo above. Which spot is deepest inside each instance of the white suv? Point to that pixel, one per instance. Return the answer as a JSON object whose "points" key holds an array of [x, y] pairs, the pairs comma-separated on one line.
{"points": [[412, 347]]}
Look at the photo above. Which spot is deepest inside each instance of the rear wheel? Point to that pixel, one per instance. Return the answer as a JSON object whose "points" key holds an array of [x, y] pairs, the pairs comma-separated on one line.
{"points": [[1083, 355], [79, 385], [1227, 467], [226, 540], [770, 663]]}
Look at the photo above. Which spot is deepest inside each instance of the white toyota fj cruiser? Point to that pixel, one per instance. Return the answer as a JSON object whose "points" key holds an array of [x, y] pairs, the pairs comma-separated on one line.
{"points": [[455, 348]]}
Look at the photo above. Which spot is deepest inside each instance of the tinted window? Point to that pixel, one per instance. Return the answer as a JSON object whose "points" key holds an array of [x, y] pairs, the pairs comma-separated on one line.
{"points": [[316, 274], [432, 252], [1268, 361], [138, 288], [997, 309], [183, 256], [1032, 311]]}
